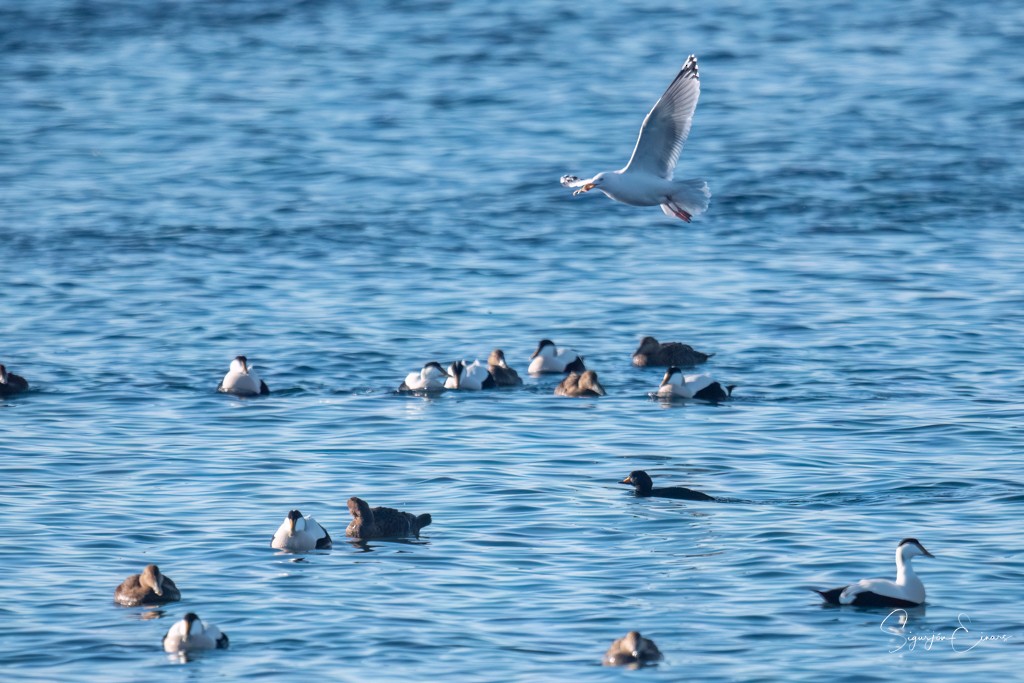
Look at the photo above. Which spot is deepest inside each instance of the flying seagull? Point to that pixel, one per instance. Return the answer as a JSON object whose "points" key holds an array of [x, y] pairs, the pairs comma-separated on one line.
{"points": [[647, 178]]}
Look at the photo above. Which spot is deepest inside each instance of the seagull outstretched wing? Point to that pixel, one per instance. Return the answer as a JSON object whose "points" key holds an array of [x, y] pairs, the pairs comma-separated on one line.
{"points": [[667, 124]]}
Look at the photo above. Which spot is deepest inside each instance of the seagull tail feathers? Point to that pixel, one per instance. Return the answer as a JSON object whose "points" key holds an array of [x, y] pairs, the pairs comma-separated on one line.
{"points": [[690, 198]]}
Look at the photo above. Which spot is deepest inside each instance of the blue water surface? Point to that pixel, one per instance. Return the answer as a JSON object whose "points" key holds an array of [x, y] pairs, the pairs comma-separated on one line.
{"points": [[344, 191]]}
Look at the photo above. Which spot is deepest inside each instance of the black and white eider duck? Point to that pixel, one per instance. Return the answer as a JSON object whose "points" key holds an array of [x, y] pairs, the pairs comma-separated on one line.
{"points": [[11, 384], [382, 522], [503, 375], [643, 487], [431, 378], [906, 591], [242, 380], [580, 385], [703, 387], [191, 635], [300, 534], [550, 359], [632, 650], [469, 376], [652, 352], [148, 588]]}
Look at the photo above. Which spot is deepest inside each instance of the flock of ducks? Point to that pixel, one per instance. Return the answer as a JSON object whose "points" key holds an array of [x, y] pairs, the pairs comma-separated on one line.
{"points": [[299, 534], [242, 379], [578, 382], [647, 180]]}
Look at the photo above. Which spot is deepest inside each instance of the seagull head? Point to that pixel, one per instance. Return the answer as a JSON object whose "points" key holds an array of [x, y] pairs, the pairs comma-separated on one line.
{"points": [[596, 181]]}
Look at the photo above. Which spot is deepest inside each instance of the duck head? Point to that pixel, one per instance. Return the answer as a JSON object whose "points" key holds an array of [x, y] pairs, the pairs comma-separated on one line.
{"points": [[152, 579], [455, 371], [673, 376], [647, 345], [240, 365], [295, 520], [545, 349], [589, 382], [189, 619], [640, 480], [909, 548], [359, 509], [432, 369]]}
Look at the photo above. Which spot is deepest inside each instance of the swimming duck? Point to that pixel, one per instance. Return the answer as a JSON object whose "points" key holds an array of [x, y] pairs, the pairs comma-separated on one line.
{"points": [[430, 378], [651, 352], [469, 376], [300, 534], [701, 387], [242, 380], [906, 591], [503, 375], [190, 634], [577, 385], [148, 588], [382, 522], [11, 384], [549, 359], [643, 487], [632, 650]]}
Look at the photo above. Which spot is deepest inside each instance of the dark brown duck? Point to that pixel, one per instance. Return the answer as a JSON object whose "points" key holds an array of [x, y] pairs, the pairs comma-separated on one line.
{"points": [[382, 522], [653, 352]]}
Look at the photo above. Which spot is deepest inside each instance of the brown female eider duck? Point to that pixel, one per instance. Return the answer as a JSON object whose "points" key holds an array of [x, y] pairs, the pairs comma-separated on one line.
{"points": [[503, 375], [148, 588], [586, 385], [653, 352], [632, 650], [382, 522]]}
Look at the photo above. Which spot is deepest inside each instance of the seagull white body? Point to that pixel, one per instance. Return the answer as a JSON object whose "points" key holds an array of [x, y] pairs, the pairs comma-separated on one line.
{"points": [[431, 378], [191, 635], [549, 358], [242, 380], [300, 534], [906, 591], [469, 376], [647, 180]]}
